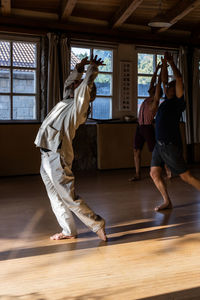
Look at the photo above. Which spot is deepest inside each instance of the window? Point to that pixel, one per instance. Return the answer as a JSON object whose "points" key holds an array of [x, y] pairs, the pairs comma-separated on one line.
{"points": [[146, 64], [101, 108], [18, 80]]}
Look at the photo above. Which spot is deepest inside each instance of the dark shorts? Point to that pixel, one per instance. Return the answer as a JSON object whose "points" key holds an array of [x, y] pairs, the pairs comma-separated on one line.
{"points": [[144, 133], [171, 155]]}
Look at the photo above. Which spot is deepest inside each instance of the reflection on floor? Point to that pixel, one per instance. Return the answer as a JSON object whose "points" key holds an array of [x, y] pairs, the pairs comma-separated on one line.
{"points": [[148, 255]]}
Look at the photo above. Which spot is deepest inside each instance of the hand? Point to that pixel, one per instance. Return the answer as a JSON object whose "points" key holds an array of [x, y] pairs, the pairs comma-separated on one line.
{"points": [[80, 66], [84, 62], [168, 57], [159, 65], [164, 61], [97, 62]]}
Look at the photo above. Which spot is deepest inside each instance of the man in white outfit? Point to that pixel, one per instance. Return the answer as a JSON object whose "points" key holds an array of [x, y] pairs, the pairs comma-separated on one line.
{"points": [[55, 141]]}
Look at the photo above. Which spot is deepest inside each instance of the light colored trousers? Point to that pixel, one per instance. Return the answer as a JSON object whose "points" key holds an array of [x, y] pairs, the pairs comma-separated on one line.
{"points": [[59, 181]]}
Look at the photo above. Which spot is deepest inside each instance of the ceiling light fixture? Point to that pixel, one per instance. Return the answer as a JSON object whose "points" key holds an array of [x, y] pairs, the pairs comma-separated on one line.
{"points": [[160, 19]]}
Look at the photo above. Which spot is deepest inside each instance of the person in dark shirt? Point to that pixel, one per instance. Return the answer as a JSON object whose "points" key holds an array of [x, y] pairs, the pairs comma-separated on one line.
{"points": [[145, 130], [168, 148]]}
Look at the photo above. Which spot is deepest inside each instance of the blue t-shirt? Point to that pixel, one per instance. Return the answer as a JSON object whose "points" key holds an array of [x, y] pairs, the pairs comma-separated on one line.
{"points": [[168, 119]]}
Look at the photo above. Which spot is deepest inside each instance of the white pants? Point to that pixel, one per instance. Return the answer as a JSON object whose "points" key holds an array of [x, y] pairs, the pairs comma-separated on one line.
{"points": [[59, 181]]}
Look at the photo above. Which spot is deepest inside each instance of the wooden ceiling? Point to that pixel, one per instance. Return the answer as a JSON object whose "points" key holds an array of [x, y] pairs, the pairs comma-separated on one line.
{"points": [[115, 20]]}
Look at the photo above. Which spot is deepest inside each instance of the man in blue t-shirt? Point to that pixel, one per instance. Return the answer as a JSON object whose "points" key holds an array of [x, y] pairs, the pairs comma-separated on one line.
{"points": [[168, 148]]}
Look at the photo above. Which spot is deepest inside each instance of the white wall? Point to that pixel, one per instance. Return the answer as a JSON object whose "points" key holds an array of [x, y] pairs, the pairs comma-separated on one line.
{"points": [[125, 52]]}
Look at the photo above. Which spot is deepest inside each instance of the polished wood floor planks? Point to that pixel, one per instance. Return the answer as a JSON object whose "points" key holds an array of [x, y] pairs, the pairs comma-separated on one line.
{"points": [[148, 255]]}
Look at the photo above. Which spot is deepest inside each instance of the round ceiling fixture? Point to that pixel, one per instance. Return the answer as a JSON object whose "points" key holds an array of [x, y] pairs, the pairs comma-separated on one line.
{"points": [[160, 19]]}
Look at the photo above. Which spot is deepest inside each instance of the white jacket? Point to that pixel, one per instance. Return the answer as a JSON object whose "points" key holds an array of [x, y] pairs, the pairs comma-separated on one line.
{"points": [[61, 123]]}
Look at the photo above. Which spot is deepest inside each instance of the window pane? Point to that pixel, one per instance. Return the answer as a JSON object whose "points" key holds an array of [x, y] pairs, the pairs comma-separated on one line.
{"points": [[145, 63], [104, 84], [24, 108], [4, 81], [24, 81], [140, 100], [4, 53], [107, 57], [24, 55], [5, 107], [77, 54], [143, 85], [102, 108]]}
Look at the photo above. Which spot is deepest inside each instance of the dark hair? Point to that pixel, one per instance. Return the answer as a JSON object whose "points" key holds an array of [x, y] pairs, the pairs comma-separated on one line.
{"points": [[171, 83]]}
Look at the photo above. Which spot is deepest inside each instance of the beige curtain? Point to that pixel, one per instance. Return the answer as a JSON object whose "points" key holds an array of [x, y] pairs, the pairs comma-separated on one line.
{"points": [[58, 67], [183, 63], [196, 96], [65, 59]]}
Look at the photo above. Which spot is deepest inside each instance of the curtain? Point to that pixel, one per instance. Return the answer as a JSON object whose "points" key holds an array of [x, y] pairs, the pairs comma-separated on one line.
{"points": [[183, 62], [43, 77], [196, 95], [65, 59], [58, 67]]}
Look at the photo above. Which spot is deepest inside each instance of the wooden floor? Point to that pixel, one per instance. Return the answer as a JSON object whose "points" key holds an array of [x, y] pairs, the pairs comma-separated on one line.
{"points": [[148, 255]]}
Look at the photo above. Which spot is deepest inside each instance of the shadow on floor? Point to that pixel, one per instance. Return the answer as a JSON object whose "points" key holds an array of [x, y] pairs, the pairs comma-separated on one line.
{"points": [[173, 227]]}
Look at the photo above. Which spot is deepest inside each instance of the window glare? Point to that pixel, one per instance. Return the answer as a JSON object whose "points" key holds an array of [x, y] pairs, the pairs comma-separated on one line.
{"points": [[24, 81], [24, 108], [102, 108], [4, 53], [104, 84], [143, 86], [4, 81], [5, 108], [22, 69], [27, 57], [145, 63], [106, 56]]}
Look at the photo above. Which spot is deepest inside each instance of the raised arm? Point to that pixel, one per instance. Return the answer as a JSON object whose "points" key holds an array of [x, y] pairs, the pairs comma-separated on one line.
{"points": [[83, 93], [153, 79], [92, 70], [75, 75], [164, 73], [157, 96], [177, 75]]}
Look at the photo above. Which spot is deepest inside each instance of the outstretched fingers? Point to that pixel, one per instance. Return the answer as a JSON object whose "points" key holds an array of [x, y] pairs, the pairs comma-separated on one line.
{"points": [[98, 62]]}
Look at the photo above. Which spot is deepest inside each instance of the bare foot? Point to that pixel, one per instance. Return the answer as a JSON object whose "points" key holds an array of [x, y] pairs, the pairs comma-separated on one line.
{"points": [[101, 234], [61, 236], [164, 206], [134, 178]]}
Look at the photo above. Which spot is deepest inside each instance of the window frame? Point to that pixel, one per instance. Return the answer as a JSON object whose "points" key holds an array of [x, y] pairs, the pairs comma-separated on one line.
{"points": [[99, 46], [28, 39]]}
